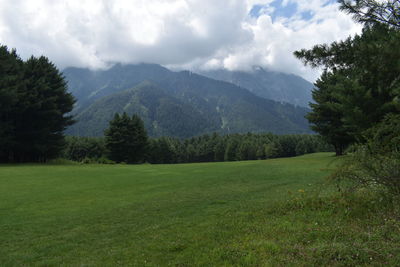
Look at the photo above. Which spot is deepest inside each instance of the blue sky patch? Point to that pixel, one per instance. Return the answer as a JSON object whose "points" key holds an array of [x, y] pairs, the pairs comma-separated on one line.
{"points": [[307, 15], [256, 11], [280, 10], [329, 2], [286, 11]]}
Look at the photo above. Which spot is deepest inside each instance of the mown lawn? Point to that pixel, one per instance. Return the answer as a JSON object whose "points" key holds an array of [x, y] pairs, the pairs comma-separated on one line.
{"points": [[255, 213]]}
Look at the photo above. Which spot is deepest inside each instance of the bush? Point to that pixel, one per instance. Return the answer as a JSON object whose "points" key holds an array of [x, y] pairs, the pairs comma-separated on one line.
{"points": [[376, 163], [84, 148]]}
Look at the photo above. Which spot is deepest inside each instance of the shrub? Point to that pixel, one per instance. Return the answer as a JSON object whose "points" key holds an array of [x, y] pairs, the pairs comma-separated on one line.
{"points": [[83, 148], [376, 163]]}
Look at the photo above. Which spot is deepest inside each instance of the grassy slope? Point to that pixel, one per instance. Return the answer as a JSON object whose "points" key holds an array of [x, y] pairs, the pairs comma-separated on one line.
{"points": [[240, 213]]}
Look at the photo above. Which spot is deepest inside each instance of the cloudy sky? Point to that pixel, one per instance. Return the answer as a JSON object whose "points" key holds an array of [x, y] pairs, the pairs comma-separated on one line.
{"points": [[181, 34]]}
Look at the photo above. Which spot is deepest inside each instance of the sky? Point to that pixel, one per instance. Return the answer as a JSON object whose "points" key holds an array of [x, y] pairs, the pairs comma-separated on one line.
{"points": [[179, 34]]}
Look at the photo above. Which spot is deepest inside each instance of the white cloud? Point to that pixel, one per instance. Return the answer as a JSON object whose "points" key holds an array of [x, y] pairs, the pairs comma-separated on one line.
{"points": [[275, 41], [176, 33]]}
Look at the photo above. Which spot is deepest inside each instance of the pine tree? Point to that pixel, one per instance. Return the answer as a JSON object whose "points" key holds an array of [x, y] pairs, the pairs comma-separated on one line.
{"points": [[219, 150], [231, 149], [34, 104], [11, 83], [372, 11], [126, 139], [43, 111], [361, 81], [327, 111]]}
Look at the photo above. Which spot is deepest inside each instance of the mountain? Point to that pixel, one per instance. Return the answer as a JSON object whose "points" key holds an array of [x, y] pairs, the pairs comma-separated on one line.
{"points": [[272, 85], [180, 104], [87, 85], [163, 114]]}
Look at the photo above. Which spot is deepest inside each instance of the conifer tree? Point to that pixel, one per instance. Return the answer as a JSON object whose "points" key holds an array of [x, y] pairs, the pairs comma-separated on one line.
{"points": [[327, 112], [44, 111], [11, 83], [126, 139], [361, 81], [373, 11], [34, 108]]}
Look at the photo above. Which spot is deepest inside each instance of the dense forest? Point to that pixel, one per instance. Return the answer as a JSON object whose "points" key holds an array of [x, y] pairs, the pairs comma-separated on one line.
{"points": [[205, 148]]}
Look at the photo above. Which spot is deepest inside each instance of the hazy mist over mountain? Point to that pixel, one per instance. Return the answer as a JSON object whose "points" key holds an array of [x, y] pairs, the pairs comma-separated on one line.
{"points": [[273, 85]]}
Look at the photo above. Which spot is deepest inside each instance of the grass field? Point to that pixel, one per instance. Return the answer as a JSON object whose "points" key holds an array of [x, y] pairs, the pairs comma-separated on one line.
{"points": [[255, 213]]}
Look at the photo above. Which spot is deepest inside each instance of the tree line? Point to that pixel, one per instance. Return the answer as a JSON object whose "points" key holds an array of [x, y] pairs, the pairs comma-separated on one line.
{"points": [[233, 147], [35, 110], [126, 141]]}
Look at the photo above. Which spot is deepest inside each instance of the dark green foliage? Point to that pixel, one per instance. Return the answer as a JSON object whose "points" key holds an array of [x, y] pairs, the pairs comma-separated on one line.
{"points": [[361, 81], [327, 112], [372, 11], [310, 144], [11, 75], [231, 148], [126, 139], [357, 97], [82, 148], [376, 163], [385, 137], [235, 147], [42, 109], [33, 109], [161, 151], [177, 104], [367, 69], [273, 149]]}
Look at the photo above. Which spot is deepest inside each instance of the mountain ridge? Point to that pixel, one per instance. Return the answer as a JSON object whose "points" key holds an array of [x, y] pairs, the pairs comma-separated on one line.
{"points": [[216, 106], [277, 86]]}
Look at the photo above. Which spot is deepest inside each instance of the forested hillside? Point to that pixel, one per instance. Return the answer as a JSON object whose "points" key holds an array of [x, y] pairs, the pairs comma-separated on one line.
{"points": [[179, 104]]}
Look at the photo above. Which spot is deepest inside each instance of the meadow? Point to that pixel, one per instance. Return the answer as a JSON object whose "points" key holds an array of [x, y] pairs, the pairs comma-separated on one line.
{"points": [[280, 212]]}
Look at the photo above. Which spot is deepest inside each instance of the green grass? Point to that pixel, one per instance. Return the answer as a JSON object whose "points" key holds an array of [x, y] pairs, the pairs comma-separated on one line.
{"points": [[254, 213]]}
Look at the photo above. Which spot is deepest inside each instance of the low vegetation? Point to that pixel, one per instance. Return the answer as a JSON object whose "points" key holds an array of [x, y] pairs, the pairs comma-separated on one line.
{"points": [[253, 213], [375, 164]]}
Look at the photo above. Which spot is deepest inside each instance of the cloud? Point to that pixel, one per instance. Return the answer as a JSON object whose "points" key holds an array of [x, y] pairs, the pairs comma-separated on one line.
{"points": [[275, 38], [176, 33]]}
